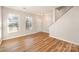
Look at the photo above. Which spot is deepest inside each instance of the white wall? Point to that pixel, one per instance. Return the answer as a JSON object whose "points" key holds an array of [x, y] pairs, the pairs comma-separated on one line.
{"points": [[38, 25], [67, 27], [22, 31], [46, 21], [0, 22]]}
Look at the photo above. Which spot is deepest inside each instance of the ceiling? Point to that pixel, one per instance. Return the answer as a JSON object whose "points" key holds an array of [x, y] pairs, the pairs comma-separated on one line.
{"points": [[34, 9]]}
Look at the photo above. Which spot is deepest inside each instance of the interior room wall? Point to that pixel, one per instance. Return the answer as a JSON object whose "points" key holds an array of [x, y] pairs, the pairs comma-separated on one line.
{"points": [[0, 23], [46, 22], [67, 27], [36, 23]]}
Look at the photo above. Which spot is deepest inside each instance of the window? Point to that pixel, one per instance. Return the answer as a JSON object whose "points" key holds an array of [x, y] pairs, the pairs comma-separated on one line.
{"points": [[12, 23], [29, 22]]}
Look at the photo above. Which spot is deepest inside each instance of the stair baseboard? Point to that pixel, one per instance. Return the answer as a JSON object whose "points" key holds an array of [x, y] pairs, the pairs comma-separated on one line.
{"points": [[64, 40]]}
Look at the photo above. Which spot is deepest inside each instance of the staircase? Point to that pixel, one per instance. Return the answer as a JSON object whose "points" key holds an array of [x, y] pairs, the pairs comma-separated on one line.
{"points": [[60, 11]]}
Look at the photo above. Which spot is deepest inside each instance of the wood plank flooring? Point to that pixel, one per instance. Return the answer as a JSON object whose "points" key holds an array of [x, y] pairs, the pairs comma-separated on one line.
{"points": [[38, 42]]}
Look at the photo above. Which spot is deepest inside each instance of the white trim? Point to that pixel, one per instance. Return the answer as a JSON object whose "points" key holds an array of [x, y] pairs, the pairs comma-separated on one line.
{"points": [[64, 40], [18, 36], [13, 37]]}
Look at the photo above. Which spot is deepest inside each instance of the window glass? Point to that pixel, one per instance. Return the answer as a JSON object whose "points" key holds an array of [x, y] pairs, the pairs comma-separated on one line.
{"points": [[29, 22], [12, 23]]}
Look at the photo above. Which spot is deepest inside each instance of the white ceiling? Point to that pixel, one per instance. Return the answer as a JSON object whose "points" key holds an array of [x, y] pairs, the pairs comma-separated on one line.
{"points": [[34, 9]]}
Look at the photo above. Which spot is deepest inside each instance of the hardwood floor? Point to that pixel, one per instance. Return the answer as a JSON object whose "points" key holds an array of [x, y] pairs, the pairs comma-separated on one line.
{"points": [[39, 42]]}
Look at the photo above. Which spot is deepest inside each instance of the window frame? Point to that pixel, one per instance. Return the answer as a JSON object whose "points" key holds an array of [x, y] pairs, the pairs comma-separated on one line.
{"points": [[8, 30], [30, 21]]}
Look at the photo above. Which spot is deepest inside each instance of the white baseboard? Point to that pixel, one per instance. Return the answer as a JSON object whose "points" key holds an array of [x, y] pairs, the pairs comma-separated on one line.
{"points": [[64, 40], [18, 36], [13, 37]]}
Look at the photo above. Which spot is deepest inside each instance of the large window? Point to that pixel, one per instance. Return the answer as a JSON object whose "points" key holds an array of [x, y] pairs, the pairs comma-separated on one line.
{"points": [[28, 22], [12, 23]]}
